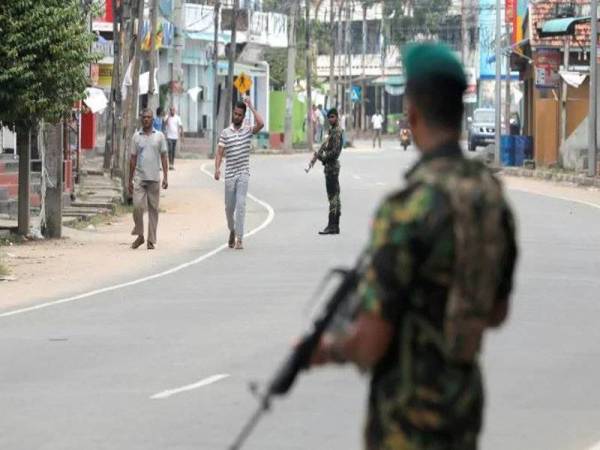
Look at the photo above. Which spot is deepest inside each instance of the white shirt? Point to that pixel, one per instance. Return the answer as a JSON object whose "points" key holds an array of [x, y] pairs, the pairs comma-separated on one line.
{"points": [[172, 128], [377, 121]]}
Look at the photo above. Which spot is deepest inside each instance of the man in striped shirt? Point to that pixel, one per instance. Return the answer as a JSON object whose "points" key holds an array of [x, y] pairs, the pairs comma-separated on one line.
{"points": [[234, 145]]}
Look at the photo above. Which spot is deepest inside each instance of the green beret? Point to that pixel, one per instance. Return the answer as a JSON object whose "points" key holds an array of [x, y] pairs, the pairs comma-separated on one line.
{"points": [[431, 59]]}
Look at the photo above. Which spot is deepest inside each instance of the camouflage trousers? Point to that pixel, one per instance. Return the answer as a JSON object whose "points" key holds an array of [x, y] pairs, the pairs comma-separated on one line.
{"points": [[332, 184], [401, 439]]}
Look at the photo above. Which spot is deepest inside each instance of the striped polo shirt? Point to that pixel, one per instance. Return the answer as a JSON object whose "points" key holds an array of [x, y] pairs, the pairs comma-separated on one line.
{"points": [[236, 143]]}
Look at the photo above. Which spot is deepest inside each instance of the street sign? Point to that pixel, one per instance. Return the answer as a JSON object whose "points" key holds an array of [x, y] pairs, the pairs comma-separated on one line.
{"points": [[243, 83], [356, 93]]}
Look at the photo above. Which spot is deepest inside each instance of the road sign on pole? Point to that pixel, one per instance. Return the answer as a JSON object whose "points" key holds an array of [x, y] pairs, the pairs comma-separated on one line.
{"points": [[243, 83]]}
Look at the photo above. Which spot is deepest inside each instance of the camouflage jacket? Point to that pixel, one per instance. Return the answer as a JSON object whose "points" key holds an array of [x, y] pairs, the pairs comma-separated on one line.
{"points": [[426, 252], [330, 150]]}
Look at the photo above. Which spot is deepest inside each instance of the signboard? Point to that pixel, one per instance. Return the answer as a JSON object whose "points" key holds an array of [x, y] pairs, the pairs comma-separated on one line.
{"points": [[511, 11], [356, 93], [105, 75], [243, 83], [547, 62]]}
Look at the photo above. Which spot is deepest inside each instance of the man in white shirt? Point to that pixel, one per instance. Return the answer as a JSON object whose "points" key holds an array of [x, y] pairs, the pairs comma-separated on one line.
{"points": [[173, 129], [377, 121]]}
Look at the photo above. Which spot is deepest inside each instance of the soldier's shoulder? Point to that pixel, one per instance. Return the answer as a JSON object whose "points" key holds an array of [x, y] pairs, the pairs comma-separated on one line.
{"points": [[413, 203]]}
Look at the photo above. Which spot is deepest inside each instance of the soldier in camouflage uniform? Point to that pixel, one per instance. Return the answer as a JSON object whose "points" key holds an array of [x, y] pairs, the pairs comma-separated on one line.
{"points": [[441, 259], [329, 154]]}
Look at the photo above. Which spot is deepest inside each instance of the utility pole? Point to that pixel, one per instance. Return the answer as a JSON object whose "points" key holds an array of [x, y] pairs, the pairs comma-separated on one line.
{"points": [[507, 92], [564, 91], [363, 94], [290, 80], [231, 65], [179, 42], [309, 113], [153, 99], [133, 98], [114, 105], [498, 102], [51, 221], [24, 149], [349, 106], [592, 117], [215, 67], [332, 52], [340, 54]]}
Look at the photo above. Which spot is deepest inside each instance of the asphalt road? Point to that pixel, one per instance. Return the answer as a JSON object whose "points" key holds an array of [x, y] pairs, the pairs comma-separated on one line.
{"points": [[83, 374]]}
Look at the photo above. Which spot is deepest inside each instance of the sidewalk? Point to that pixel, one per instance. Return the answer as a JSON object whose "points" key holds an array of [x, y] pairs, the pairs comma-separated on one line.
{"points": [[191, 214]]}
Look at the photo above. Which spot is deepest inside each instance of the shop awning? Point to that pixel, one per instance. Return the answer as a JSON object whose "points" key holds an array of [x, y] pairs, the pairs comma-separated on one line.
{"points": [[208, 37], [389, 80], [253, 71], [561, 27]]}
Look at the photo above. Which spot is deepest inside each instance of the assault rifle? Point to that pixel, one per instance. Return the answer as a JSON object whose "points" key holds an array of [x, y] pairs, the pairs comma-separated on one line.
{"points": [[311, 163], [299, 358]]}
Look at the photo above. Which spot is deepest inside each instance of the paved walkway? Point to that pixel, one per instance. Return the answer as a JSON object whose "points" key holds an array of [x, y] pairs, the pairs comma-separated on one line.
{"points": [[191, 214]]}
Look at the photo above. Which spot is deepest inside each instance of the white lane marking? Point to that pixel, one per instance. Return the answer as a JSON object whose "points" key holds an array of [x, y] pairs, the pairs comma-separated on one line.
{"points": [[190, 387], [380, 183], [356, 177], [266, 223]]}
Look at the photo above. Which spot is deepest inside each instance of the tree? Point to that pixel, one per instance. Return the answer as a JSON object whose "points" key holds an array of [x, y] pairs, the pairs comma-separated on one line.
{"points": [[44, 53]]}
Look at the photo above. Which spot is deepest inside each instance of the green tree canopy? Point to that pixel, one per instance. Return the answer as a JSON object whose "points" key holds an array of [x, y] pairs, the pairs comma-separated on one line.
{"points": [[44, 54]]}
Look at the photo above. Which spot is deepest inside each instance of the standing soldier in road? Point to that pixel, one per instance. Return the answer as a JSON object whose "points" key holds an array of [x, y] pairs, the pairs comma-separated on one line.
{"points": [[234, 145], [329, 154], [441, 260], [148, 152]]}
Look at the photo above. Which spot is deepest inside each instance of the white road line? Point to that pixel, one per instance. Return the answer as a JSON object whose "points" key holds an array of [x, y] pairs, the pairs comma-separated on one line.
{"points": [[356, 177], [190, 387], [266, 223]]}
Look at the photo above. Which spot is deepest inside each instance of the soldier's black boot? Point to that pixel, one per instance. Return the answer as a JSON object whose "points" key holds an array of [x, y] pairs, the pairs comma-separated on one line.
{"points": [[330, 228], [336, 225]]}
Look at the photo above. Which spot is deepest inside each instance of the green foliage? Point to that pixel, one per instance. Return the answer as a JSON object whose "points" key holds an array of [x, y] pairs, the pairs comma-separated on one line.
{"points": [[44, 55]]}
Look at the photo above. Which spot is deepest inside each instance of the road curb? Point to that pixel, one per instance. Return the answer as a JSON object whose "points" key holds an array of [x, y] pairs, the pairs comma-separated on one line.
{"points": [[551, 176]]}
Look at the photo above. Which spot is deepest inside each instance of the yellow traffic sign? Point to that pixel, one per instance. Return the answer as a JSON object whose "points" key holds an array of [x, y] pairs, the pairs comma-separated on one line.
{"points": [[243, 83]]}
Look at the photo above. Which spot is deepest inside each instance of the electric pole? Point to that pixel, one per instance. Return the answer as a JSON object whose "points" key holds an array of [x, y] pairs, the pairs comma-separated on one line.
{"points": [[349, 106], [215, 67], [592, 117], [179, 42], [153, 99], [363, 94], [290, 79], [309, 113], [332, 52], [498, 108], [231, 64]]}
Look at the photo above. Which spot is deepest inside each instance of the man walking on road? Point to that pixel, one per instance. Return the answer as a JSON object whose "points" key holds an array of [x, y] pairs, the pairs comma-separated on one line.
{"points": [[377, 121], [234, 145], [329, 154], [439, 273], [148, 151], [174, 129]]}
